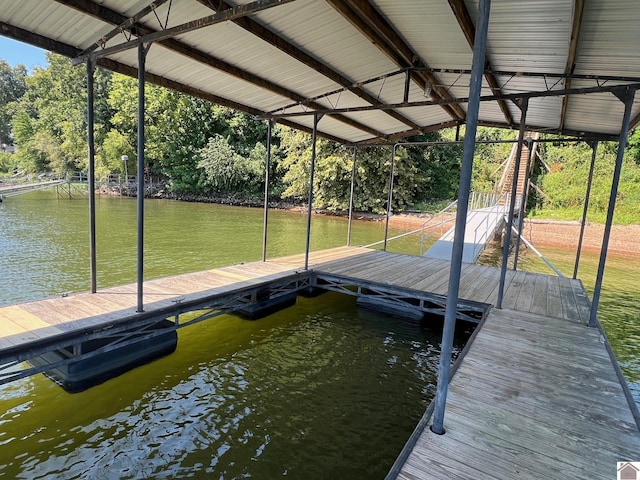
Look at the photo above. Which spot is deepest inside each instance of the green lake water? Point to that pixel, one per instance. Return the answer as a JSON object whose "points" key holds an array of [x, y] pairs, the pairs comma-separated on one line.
{"points": [[321, 390]]}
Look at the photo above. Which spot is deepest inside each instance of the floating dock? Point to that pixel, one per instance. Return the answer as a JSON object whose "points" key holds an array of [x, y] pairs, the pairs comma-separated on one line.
{"points": [[536, 394]]}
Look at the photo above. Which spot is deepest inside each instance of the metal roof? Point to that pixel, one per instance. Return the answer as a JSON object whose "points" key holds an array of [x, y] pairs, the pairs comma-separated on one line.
{"points": [[310, 55]]}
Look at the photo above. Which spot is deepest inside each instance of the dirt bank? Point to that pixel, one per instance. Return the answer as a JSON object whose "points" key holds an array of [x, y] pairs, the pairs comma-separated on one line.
{"points": [[625, 239]]}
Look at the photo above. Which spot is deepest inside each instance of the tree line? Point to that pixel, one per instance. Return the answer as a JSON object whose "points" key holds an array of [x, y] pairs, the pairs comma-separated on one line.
{"points": [[197, 147]]}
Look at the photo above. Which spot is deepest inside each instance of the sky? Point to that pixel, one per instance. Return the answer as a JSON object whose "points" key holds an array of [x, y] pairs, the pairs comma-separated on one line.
{"points": [[14, 53]]}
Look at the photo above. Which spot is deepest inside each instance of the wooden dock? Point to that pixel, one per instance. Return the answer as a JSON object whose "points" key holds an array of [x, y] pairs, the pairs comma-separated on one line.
{"points": [[536, 394], [12, 190]]}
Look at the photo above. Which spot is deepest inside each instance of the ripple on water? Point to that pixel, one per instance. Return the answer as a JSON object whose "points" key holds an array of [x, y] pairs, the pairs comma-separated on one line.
{"points": [[317, 391]]}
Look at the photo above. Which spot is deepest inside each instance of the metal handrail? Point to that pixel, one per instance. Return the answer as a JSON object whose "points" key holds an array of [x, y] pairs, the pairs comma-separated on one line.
{"points": [[495, 207], [393, 238], [424, 227], [534, 250]]}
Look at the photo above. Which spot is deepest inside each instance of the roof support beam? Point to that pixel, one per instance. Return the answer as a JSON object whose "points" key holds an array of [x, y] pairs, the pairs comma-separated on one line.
{"points": [[17, 33], [268, 36], [156, 36], [373, 26], [483, 98], [461, 13], [124, 26], [578, 9], [66, 50], [194, 92], [107, 15]]}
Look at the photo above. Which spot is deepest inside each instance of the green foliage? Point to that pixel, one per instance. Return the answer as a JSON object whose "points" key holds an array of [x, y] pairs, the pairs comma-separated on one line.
{"points": [[49, 123], [199, 147], [8, 162], [12, 88], [489, 158], [566, 184], [633, 146], [228, 172], [421, 173]]}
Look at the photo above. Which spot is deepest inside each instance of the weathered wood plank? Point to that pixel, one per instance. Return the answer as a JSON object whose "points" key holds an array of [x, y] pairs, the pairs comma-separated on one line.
{"points": [[536, 395], [554, 300], [582, 301], [525, 297], [539, 301], [569, 304]]}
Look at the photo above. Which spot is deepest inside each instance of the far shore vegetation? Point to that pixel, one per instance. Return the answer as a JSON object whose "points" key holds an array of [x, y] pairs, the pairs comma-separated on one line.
{"points": [[199, 149]]}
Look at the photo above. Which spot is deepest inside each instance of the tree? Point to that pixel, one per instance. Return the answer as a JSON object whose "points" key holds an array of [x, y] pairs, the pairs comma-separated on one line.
{"points": [[12, 88], [52, 112]]}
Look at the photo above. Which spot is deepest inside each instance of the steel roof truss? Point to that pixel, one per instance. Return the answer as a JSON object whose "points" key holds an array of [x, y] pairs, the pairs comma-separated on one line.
{"points": [[372, 25], [123, 27], [463, 17], [281, 44], [578, 9], [219, 17], [110, 16]]}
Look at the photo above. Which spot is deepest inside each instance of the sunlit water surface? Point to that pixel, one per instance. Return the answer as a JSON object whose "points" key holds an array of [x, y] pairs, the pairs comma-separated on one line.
{"points": [[320, 390]]}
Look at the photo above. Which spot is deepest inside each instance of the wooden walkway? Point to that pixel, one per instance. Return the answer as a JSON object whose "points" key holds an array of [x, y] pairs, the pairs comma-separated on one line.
{"points": [[12, 190], [535, 396]]}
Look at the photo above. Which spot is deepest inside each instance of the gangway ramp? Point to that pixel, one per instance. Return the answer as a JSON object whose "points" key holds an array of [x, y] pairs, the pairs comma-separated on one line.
{"points": [[481, 225], [13, 190]]}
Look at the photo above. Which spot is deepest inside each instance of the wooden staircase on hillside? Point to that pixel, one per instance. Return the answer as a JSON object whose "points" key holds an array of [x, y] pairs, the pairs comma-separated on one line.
{"points": [[506, 182]]}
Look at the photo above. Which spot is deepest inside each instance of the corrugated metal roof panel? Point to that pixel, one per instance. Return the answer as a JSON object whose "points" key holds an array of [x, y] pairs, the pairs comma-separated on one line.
{"points": [[530, 35], [524, 36], [431, 30], [609, 39], [318, 29]]}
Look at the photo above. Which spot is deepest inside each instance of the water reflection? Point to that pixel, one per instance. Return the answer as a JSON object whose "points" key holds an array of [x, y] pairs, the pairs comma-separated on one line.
{"points": [[322, 390]]}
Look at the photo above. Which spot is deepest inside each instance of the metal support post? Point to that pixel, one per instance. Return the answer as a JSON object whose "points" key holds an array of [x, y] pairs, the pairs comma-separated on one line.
{"points": [[389, 197], [91, 68], [458, 133], [594, 150], [626, 96], [523, 202], [444, 366], [407, 86], [316, 119], [142, 54], [524, 106], [353, 183], [266, 192]]}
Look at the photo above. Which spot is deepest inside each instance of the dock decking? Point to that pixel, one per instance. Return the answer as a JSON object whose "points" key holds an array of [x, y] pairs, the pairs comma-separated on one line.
{"points": [[536, 395]]}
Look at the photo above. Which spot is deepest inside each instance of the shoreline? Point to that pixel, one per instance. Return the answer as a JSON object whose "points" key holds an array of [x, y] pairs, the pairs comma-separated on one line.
{"points": [[541, 233]]}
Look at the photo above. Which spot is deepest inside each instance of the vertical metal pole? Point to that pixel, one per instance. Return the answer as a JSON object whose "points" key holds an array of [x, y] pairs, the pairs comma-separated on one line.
{"points": [[524, 106], [626, 96], [407, 86], [316, 119], [594, 150], [91, 66], [353, 183], [458, 133], [266, 192], [523, 202], [480, 46], [142, 53], [389, 196]]}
